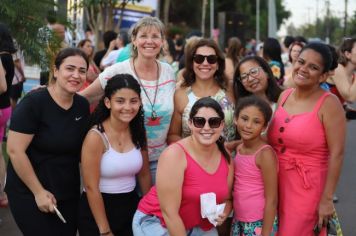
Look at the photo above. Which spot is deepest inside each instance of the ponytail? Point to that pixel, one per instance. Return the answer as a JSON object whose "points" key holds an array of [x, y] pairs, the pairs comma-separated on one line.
{"points": [[220, 142]]}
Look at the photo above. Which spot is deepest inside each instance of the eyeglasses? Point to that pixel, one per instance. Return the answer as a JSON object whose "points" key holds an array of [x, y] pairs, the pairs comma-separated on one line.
{"points": [[253, 71], [199, 59], [214, 122]]}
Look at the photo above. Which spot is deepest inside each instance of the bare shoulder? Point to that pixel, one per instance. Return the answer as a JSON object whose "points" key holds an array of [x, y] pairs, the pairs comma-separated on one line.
{"points": [[331, 103], [180, 98]]}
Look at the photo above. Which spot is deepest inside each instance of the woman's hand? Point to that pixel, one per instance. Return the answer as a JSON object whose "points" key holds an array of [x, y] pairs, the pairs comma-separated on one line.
{"points": [[221, 219], [45, 201], [325, 211]]}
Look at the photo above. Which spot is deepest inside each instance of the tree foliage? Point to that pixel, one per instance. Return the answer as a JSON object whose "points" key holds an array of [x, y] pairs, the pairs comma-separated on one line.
{"points": [[24, 18]]}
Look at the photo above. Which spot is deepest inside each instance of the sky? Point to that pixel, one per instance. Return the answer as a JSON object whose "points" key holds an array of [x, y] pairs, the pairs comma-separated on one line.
{"points": [[305, 11]]}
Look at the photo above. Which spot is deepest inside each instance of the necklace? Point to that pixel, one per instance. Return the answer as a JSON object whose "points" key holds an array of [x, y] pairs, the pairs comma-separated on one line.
{"points": [[153, 114]]}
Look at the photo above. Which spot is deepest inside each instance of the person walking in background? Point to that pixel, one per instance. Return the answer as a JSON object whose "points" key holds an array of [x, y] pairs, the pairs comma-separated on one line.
{"points": [[272, 54], [255, 191], [294, 51], [44, 150], [114, 50], [7, 48], [108, 37], [156, 79], [234, 54], [187, 169], [308, 134], [93, 71], [114, 152]]}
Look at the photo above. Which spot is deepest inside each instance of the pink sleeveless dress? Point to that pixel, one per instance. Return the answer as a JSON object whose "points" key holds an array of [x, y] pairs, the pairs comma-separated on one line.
{"points": [[300, 143]]}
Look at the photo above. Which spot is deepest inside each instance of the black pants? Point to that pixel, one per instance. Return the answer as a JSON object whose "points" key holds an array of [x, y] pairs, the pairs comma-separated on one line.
{"points": [[31, 221], [119, 208], [44, 77]]}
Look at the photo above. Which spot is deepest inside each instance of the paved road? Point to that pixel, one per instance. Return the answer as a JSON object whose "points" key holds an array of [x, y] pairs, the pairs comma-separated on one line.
{"points": [[346, 192]]}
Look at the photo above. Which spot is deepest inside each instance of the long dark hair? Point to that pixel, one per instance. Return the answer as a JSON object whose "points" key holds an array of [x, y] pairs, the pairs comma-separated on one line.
{"points": [[211, 103], [101, 112], [272, 51], [273, 90], [189, 75], [6, 41]]}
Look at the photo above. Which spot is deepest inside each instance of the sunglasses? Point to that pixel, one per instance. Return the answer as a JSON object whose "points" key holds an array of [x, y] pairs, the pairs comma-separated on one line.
{"points": [[214, 122], [199, 59]]}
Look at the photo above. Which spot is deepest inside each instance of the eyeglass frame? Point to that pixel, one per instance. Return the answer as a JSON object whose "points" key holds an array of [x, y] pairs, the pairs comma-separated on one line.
{"points": [[208, 58], [248, 74]]}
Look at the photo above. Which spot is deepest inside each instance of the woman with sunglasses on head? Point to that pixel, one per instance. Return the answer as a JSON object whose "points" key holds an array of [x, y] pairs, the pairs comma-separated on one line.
{"points": [[203, 77], [193, 166], [44, 150], [254, 76], [308, 134], [156, 79]]}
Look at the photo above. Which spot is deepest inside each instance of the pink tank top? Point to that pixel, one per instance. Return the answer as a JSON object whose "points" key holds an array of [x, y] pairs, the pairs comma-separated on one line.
{"points": [[248, 194], [196, 182]]}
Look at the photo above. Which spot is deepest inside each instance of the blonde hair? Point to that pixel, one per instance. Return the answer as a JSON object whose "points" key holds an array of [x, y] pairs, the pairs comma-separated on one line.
{"points": [[148, 21]]}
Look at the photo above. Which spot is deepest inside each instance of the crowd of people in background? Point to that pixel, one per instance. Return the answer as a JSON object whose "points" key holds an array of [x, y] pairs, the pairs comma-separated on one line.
{"points": [[173, 136]]}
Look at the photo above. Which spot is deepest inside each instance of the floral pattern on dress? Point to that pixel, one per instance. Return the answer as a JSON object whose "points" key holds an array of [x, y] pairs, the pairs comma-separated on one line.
{"points": [[252, 228]]}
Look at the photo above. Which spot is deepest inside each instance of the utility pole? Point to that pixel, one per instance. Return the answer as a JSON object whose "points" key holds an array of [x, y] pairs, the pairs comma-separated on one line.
{"points": [[345, 19], [327, 38], [257, 21], [211, 18], [204, 3]]}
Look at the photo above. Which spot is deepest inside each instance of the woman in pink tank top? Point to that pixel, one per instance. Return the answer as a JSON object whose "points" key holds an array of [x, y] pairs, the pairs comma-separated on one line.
{"points": [[308, 135], [196, 165], [255, 176]]}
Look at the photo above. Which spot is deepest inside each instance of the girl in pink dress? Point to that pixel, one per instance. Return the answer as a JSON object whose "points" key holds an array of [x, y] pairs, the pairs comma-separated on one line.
{"points": [[255, 175], [308, 135]]}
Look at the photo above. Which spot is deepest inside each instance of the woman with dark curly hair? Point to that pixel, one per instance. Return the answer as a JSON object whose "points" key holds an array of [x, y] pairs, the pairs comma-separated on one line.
{"points": [[114, 152], [203, 77]]}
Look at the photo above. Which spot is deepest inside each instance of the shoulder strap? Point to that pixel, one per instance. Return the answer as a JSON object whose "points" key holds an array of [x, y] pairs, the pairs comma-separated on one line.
{"points": [[103, 137], [320, 101], [261, 148], [285, 96]]}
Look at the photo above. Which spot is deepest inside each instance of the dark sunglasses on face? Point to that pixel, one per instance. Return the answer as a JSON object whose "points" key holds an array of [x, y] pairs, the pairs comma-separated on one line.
{"points": [[199, 122], [199, 59]]}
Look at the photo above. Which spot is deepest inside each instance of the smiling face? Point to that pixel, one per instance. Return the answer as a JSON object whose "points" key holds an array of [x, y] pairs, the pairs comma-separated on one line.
{"points": [[294, 52], [308, 69], [205, 70], [256, 84], [71, 74], [250, 123], [206, 135], [148, 42], [124, 104]]}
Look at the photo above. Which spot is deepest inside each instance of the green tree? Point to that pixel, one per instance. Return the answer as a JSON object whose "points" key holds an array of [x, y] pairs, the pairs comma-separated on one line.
{"points": [[24, 18]]}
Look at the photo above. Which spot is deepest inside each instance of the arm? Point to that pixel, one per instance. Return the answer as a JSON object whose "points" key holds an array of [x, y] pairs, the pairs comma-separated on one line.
{"points": [[229, 69], [17, 144], [346, 88], [92, 151], [3, 85], [267, 162], [170, 177], [144, 176], [175, 129], [91, 74], [334, 122], [228, 207], [93, 92]]}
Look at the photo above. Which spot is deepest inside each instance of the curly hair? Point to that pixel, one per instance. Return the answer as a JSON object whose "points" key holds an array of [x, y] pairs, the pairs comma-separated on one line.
{"points": [[102, 113], [189, 75]]}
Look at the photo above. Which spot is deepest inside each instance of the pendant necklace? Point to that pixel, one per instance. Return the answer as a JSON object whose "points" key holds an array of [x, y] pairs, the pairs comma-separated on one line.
{"points": [[153, 114]]}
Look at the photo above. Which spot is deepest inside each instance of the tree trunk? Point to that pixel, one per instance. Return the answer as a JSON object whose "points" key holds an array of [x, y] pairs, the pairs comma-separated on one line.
{"points": [[167, 4]]}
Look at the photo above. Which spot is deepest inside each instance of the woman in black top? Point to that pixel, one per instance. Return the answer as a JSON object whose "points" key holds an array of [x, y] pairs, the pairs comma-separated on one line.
{"points": [[44, 142], [6, 49]]}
